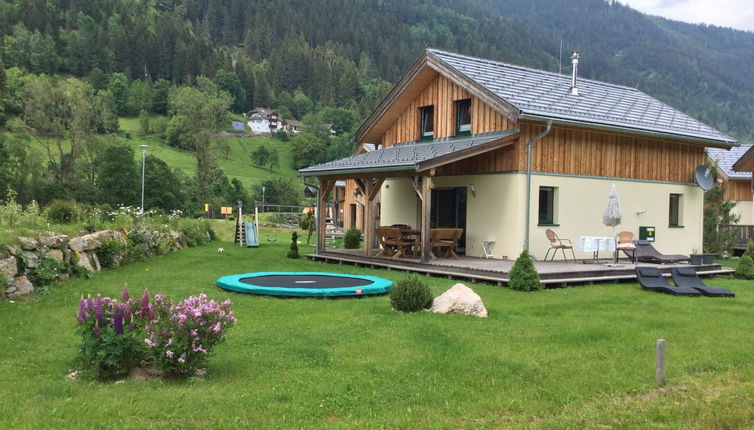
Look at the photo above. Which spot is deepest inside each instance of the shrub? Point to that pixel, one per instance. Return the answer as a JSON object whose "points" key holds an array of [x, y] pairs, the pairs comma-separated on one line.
{"points": [[750, 248], [293, 253], [111, 333], [352, 238], [745, 269], [182, 335], [110, 253], [410, 294], [198, 233], [62, 212], [48, 271], [524, 276]]}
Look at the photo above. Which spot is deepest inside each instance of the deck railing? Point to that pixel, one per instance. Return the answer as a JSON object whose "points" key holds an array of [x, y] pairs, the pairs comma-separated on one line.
{"points": [[744, 233]]}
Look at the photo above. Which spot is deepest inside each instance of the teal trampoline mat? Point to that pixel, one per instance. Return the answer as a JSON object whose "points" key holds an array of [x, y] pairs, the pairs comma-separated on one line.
{"points": [[305, 284]]}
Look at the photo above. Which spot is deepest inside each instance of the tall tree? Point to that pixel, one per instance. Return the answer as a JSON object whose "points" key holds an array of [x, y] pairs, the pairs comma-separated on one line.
{"points": [[118, 177]]}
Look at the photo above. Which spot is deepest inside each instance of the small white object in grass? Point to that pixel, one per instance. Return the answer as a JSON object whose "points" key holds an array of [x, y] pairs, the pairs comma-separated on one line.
{"points": [[220, 250]]}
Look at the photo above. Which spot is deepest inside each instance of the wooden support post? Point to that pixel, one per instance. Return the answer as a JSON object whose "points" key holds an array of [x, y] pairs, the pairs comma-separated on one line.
{"points": [[660, 367], [368, 218], [426, 198], [321, 215]]}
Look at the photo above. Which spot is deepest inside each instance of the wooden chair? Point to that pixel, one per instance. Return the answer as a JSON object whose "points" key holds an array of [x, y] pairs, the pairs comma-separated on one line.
{"points": [[388, 237], [558, 243], [409, 242], [625, 242], [444, 240]]}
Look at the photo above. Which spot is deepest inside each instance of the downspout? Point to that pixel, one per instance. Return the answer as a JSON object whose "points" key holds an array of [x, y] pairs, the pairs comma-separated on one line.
{"points": [[528, 181]]}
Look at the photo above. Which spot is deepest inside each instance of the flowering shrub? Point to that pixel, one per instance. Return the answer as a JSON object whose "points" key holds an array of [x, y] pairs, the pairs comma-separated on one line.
{"points": [[182, 335], [110, 335]]}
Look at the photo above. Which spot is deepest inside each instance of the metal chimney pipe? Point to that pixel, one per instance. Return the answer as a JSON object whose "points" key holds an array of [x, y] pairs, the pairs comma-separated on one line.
{"points": [[575, 62]]}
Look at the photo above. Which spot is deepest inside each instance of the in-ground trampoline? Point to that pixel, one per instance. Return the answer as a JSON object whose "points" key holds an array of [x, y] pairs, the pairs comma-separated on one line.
{"points": [[305, 284]]}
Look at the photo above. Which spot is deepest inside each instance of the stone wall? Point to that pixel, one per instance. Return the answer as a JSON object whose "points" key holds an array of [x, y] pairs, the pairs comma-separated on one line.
{"points": [[18, 262]]}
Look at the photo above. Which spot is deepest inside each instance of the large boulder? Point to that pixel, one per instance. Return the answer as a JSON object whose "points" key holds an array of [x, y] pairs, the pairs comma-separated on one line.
{"points": [[459, 299], [56, 254], [108, 234], [28, 243], [89, 260], [53, 240], [8, 268], [20, 287], [84, 243]]}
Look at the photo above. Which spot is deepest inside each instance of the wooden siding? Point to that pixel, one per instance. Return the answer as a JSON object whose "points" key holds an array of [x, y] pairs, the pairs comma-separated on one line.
{"points": [[739, 190], [442, 93]]}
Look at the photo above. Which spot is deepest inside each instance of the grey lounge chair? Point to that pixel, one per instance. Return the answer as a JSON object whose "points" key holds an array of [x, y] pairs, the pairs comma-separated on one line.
{"points": [[647, 253], [687, 277], [650, 278]]}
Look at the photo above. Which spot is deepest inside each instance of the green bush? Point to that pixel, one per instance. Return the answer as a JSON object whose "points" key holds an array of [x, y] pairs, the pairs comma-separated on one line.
{"points": [[745, 269], [750, 248], [48, 271], [410, 294], [62, 212], [524, 276], [110, 253], [352, 239], [293, 253]]}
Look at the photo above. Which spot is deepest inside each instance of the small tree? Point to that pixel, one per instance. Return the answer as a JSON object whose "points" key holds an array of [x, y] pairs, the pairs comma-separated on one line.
{"points": [[352, 238], [293, 253], [718, 212], [260, 156], [410, 294], [524, 276]]}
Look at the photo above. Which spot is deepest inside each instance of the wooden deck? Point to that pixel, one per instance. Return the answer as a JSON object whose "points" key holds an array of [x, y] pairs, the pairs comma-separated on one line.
{"points": [[495, 271]]}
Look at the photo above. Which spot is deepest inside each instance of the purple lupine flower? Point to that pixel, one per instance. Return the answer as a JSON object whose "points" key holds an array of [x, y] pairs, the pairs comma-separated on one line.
{"points": [[182, 358], [169, 353], [149, 342], [126, 296], [82, 311], [96, 332], [127, 311], [145, 307], [118, 320], [98, 312]]}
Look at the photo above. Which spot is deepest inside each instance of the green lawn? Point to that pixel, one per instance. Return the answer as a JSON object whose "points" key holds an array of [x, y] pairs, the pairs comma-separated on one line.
{"points": [[236, 165], [580, 357]]}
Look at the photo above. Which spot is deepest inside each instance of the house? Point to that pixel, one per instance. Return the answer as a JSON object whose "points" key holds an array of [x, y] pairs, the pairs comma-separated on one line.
{"points": [[506, 152], [263, 120], [292, 126], [739, 184]]}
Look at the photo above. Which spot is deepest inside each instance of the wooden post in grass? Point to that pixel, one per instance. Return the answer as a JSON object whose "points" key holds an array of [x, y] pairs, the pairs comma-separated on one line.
{"points": [[660, 367]]}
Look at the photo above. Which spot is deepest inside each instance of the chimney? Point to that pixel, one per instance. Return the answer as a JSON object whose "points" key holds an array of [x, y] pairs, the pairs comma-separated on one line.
{"points": [[575, 61]]}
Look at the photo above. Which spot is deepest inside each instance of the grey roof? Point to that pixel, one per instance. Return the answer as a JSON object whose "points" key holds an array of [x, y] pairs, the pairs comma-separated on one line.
{"points": [[726, 159], [404, 157], [539, 93]]}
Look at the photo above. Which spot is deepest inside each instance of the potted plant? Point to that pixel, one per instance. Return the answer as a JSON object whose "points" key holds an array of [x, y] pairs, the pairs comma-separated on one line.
{"points": [[708, 258], [696, 258]]}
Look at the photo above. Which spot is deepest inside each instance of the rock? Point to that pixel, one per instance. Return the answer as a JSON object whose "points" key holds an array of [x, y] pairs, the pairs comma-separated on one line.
{"points": [[22, 288], [108, 234], [179, 239], [32, 261], [83, 243], [28, 243], [53, 240], [89, 260], [56, 254], [8, 268], [459, 299]]}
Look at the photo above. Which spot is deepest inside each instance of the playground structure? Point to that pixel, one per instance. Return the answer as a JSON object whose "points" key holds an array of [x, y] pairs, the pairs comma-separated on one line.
{"points": [[247, 233]]}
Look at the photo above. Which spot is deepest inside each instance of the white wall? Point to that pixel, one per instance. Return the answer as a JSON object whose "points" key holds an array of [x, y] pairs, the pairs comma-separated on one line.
{"points": [[746, 211]]}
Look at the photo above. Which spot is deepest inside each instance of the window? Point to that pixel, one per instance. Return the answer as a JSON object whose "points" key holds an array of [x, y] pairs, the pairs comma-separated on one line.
{"points": [[463, 117], [676, 209], [547, 200], [427, 126]]}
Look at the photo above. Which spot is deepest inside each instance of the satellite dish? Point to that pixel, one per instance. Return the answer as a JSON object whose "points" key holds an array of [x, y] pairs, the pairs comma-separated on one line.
{"points": [[704, 177]]}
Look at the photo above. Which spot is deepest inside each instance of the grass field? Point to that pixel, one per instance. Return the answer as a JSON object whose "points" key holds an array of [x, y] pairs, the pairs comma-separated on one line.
{"points": [[580, 357], [236, 165]]}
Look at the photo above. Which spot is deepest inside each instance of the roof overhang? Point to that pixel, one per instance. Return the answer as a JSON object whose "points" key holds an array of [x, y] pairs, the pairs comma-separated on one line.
{"points": [[344, 168], [631, 130]]}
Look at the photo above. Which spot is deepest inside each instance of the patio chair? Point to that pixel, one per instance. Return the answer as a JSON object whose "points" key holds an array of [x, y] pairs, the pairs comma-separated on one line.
{"points": [[558, 243], [444, 240], [408, 242], [647, 253], [687, 277], [388, 237], [625, 243], [651, 279]]}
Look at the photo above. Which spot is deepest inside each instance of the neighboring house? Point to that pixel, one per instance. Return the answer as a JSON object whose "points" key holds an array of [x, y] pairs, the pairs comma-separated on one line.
{"points": [[739, 184], [292, 126], [506, 152], [262, 120], [349, 200]]}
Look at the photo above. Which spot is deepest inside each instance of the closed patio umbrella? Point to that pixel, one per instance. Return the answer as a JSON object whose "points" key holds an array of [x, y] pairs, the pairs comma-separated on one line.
{"points": [[612, 215]]}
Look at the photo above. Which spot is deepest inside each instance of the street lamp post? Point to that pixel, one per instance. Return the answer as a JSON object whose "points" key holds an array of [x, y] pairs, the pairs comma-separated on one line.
{"points": [[263, 190], [143, 163]]}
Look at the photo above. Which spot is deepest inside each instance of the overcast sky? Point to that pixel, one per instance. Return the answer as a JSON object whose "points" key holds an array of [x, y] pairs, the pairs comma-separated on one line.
{"points": [[738, 14]]}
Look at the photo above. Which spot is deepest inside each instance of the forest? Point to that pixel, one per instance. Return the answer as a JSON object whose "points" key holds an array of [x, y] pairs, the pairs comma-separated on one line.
{"points": [[69, 69]]}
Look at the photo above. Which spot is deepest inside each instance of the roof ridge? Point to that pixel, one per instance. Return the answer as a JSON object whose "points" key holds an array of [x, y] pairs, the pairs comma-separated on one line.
{"points": [[532, 69]]}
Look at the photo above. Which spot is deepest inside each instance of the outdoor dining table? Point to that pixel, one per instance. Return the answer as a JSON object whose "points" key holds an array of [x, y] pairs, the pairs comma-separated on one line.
{"points": [[595, 244], [413, 236]]}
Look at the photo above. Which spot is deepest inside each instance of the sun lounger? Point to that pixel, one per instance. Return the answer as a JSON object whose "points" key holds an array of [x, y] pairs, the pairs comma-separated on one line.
{"points": [[647, 253], [650, 278], [687, 277]]}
